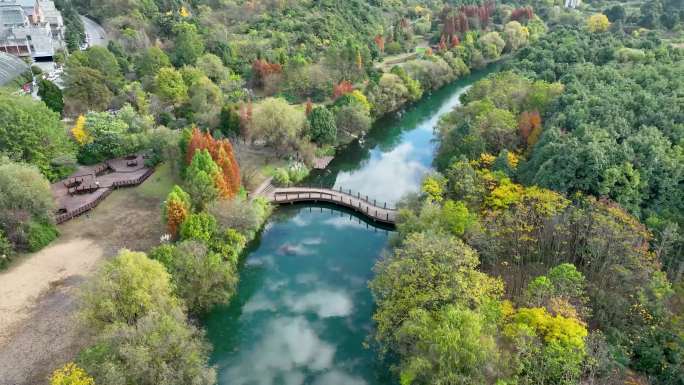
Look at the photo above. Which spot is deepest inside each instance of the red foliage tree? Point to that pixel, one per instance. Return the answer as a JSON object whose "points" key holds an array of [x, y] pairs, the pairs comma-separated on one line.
{"points": [[529, 126], [262, 69], [463, 25], [309, 107], [380, 43], [341, 89], [442, 44], [455, 41], [523, 14]]}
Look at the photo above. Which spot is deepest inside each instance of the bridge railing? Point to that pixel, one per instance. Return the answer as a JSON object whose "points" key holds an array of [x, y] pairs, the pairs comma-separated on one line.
{"points": [[356, 195], [376, 212]]}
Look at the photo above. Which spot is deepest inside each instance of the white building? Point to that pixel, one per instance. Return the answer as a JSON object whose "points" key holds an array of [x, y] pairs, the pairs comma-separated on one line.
{"points": [[30, 28], [572, 3]]}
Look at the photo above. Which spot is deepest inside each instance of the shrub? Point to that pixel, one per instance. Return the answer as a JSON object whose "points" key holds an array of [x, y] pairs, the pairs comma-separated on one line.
{"points": [[160, 345], [25, 202], [71, 374], [393, 48], [200, 276], [352, 119], [200, 227], [40, 235], [51, 95], [322, 128], [290, 175], [241, 214], [6, 250], [281, 177], [126, 289]]}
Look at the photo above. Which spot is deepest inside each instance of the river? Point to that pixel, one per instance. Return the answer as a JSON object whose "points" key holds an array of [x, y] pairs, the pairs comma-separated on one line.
{"points": [[303, 310]]}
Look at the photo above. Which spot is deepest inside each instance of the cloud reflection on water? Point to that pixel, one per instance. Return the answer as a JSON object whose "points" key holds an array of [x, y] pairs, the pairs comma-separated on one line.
{"points": [[388, 176], [288, 349]]}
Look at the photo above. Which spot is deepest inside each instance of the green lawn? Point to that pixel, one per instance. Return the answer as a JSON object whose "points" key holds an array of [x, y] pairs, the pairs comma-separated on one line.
{"points": [[158, 185]]}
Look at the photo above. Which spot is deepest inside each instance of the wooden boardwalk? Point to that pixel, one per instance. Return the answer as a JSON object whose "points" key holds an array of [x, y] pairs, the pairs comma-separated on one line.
{"points": [[101, 179], [376, 211]]}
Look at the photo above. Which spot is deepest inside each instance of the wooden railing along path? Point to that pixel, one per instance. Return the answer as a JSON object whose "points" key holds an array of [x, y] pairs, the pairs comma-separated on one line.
{"points": [[61, 218], [371, 208]]}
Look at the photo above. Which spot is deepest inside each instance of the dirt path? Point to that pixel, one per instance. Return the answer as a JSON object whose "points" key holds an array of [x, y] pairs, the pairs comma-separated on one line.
{"points": [[38, 294], [25, 282]]}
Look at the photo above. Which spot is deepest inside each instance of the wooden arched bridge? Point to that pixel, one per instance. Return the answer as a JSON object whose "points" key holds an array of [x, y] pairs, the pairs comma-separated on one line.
{"points": [[376, 211]]}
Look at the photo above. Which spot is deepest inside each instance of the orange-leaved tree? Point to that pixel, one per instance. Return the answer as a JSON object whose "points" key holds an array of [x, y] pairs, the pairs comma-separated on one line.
{"points": [[221, 151], [529, 125], [176, 209], [341, 89]]}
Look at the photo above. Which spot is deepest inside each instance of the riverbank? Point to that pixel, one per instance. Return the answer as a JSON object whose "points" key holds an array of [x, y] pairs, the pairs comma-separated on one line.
{"points": [[302, 232], [302, 312], [38, 293]]}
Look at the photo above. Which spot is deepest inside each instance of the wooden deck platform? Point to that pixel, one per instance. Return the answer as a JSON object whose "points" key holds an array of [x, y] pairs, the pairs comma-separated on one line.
{"points": [[104, 178]]}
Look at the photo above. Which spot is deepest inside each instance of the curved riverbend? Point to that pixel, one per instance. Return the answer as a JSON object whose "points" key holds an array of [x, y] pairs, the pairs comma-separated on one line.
{"points": [[303, 309]]}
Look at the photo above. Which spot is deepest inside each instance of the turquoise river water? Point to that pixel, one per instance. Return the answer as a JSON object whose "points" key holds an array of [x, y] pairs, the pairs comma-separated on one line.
{"points": [[303, 310]]}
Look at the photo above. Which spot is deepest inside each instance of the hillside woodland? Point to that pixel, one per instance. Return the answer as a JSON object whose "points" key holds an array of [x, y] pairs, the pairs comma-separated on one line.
{"points": [[546, 248]]}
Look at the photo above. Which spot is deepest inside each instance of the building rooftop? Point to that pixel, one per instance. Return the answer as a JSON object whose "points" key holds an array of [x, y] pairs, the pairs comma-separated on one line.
{"points": [[10, 68], [11, 14]]}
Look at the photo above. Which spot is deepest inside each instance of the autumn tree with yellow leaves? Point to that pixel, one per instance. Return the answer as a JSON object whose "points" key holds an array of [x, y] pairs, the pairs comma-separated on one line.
{"points": [[598, 23], [71, 374], [79, 132]]}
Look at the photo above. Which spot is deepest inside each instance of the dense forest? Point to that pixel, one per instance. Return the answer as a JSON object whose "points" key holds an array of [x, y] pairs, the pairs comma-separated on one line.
{"points": [[546, 248]]}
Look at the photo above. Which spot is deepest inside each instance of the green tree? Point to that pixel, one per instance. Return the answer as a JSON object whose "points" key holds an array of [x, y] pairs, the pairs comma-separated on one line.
{"points": [[200, 178], [51, 95], [229, 120], [323, 129], [125, 290], [615, 13], [188, 44], [515, 35], [277, 123], [426, 272], [212, 66], [492, 45], [86, 89], [99, 59], [549, 349], [456, 217], [151, 61], [26, 207], [453, 345], [32, 133], [201, 277], [352, 119], [200, 227], [159, 345], [170, 86], [204, 100], [499, 129]]}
